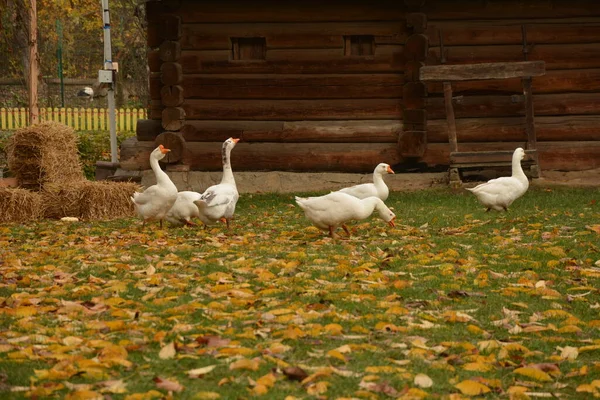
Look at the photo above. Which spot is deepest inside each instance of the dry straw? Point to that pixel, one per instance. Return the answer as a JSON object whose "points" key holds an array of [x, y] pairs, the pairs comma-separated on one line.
{"points": [[44, 153], [20, 205], [89, 200]]}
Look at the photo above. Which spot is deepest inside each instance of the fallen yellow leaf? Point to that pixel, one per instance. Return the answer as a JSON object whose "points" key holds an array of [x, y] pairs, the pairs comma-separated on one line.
{"points": [[472, 388], [533, 373]]}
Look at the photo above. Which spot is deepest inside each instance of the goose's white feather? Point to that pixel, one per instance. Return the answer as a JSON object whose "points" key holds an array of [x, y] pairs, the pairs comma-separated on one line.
{"points": [[184, 209], [378, 188], [335, 209], [155, 202], [500, 193], [219, 201]]}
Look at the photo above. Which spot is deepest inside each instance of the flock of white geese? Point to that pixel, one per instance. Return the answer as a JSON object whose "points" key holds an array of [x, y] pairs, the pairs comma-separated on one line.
{"points": [[162, 201]]}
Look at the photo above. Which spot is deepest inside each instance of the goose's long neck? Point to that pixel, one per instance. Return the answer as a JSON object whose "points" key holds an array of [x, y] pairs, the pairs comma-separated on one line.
{"points": [[378, 178], [368, 206], [517, 170], [161, 176], [227, 171]]}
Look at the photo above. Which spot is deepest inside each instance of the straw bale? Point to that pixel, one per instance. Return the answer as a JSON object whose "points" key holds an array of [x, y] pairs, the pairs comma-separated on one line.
{"points": [[63, 200], [89, 200], [20, 205], [108, 200], [44, 153]]}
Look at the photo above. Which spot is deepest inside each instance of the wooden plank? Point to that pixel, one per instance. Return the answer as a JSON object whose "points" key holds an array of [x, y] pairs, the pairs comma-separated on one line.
{"points": [[465, 158], [353, 157], [173, 141], [293, 110], [387, 59], [148, 129], [206, 156], [171, 96], [470, 33], [171, 73], [509, 9], [567, 156], [169, 51], [450, 119], [306, 11], [507, 106], [443, 73], [354, 131], [412, 144], [548, 128], [556, 56], [289, 36], [292, 86], [416, 47], [173, 118], [554, 81]]}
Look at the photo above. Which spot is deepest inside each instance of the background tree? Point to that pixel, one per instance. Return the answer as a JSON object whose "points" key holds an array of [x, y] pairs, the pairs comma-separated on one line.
{"points": [[82, 43]]}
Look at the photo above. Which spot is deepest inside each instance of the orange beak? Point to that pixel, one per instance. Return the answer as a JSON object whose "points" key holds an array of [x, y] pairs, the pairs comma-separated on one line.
{"points": [[390, 170], [235, 140], [163, 149], [391, 223]]}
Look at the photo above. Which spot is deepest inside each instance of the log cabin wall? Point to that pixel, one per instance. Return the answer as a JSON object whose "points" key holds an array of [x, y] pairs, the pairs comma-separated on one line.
{"points": [[324, 86], [563, 34], [307, 86]]}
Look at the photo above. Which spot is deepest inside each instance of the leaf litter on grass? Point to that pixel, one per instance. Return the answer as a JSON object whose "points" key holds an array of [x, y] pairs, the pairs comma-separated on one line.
{"points": [[453, 301]]}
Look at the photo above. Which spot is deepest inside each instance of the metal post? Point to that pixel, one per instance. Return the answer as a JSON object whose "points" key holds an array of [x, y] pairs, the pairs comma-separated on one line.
{"points": [[60, 63], [108, 65]]}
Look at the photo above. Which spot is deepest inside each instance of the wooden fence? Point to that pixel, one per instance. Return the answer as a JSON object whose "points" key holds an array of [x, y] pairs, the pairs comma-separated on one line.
{"points": [[80, 119]]}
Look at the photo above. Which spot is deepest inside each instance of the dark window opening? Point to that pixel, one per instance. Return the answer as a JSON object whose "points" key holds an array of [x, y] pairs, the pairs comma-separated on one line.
{"points": [[248, 48], [359, 45]]}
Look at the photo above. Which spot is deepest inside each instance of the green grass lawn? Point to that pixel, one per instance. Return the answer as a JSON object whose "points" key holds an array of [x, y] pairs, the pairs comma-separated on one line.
{"points": [[452, 302]]}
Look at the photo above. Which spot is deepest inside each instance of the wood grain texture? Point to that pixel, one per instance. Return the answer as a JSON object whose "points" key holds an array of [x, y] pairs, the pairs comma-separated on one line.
{"points": [[387, 59], [548, 128], [359, 157], [471, 33], [241, 11], [315, 35], [469, 72], [509, 9], [554, 81], [507, 106], [293, 110], [556, 56], [292, 86]]}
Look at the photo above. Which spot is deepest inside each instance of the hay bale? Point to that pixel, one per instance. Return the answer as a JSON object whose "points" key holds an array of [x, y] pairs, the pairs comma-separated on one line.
{"points": [[63, 200], [20, 205], [108, 200], [44, 153], [89, 200]]}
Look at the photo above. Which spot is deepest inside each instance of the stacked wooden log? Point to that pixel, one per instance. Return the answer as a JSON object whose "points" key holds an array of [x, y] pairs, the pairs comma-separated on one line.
{"points": [[310, 105]]}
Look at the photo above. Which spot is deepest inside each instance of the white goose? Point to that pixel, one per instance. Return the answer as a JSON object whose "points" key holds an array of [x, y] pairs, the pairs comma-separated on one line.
{"points": [[499, 193], [336, 208], [184, 209], [218, 201], [378, 188], [155, 202]]}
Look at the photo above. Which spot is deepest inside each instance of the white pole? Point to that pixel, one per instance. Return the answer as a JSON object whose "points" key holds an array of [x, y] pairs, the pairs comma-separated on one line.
{"points": [[108, 65]]}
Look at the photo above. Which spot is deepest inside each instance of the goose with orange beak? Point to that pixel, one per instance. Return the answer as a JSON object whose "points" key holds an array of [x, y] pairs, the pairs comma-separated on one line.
{"points": [[154, 203]]}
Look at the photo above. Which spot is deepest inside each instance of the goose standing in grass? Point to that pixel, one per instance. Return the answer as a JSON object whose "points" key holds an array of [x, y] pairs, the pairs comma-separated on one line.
{"points": [[184, 209], [378, 188], [218, 201], [336, 208], [499, 193], [155, 202]]}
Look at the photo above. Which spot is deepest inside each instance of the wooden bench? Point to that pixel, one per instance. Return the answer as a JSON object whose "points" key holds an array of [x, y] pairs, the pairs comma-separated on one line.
{"points": [[485, 71]]}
